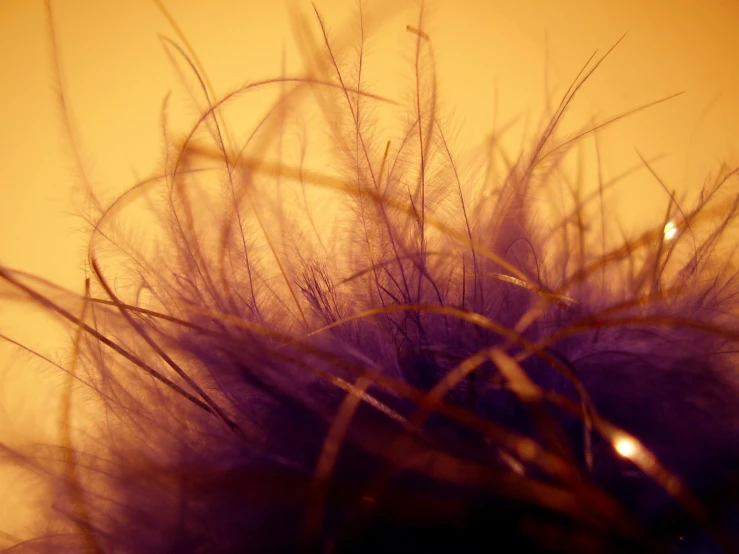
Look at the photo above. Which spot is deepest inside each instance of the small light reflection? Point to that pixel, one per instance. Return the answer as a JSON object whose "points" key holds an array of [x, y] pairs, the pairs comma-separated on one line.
{"points": [[670, 230], [626, 447]]}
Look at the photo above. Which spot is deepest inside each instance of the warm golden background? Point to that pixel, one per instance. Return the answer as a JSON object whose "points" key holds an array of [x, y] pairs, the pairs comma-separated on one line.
{"points": [[115, 74]]}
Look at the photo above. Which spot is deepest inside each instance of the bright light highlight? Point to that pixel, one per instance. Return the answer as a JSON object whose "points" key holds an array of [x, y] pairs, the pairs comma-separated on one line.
{"points": [[670, 230], [626, 447]]}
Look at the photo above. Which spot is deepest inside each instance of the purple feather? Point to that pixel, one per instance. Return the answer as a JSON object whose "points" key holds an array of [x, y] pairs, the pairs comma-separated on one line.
{"points": [[445, 370]]}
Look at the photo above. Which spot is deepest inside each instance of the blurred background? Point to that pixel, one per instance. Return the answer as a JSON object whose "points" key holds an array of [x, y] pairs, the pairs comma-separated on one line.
{"points": [[496, 60]]}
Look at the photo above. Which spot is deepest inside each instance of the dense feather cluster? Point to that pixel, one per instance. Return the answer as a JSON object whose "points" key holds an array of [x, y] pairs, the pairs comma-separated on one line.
{"points": [[443, 370]]}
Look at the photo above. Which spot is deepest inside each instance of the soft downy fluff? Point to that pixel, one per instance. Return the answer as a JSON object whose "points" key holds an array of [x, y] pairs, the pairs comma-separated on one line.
{"points": [[440, 369]]}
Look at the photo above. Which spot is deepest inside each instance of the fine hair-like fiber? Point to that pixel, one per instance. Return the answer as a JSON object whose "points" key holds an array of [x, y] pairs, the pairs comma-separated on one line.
{"points": [[397, 353]]}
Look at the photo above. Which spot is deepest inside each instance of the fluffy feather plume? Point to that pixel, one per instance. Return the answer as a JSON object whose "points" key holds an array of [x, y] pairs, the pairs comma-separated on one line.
{"points": [[438, 369]]}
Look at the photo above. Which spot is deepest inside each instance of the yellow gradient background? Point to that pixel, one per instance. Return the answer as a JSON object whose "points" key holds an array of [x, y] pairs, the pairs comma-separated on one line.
{"points": [[115, 74]]}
